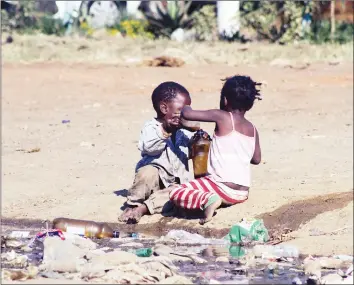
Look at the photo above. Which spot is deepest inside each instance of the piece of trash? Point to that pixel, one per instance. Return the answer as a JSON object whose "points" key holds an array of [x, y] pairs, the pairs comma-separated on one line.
{"points": [[183, 237], [135, 235], [65, 121], [37, 149], [19, 234], [89, 229], [344, 257], [42, 235], [19, 274], [14, 259], [247, 231], [237, 251], [143, 252], [275, 251], [14, 243]]}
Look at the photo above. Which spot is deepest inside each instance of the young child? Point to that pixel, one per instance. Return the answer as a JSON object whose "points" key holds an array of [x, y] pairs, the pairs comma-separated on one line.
{"points": [[164, 150], [235, 145]]}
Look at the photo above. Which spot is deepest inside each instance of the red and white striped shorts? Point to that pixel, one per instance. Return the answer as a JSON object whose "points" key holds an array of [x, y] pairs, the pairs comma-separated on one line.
{"points": [[196, 193]]}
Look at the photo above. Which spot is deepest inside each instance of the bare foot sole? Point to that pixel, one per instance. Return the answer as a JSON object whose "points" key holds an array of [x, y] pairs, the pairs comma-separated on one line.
{"points": [[136, 214], [124, 216], [209, 212]]}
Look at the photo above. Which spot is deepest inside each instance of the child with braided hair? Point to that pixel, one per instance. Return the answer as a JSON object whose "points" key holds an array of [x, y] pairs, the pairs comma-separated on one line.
{"points": [[235, 145]]}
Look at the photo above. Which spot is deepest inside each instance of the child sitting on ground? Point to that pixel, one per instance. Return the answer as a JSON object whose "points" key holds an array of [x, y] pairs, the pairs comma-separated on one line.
{"points": [[234, 146], [164, 150]]}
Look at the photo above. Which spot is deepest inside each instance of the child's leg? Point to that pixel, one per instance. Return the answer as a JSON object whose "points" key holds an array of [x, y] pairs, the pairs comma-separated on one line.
{"points": [[197, 194], [213, 203], [146, 181]]}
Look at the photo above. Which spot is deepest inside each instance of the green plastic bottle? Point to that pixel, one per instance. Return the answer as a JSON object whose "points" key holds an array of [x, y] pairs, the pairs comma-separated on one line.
{"points": [[143, 252]]}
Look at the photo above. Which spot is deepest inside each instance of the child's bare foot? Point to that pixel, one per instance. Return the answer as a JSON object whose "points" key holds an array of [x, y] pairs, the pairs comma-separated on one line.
{"points": [[209, 211], [124, 216], [136, 214]]}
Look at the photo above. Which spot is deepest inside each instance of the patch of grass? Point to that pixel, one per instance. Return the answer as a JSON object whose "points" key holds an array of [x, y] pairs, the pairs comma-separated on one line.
{"points": [[110, 49]]}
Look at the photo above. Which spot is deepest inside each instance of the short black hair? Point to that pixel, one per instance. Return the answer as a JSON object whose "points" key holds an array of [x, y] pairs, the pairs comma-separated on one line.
{"points": [[240, 92], [165, 92]]}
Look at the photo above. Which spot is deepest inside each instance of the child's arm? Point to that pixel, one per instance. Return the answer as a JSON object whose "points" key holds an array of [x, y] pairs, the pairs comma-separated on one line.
{"points": [[256, 159], [214, 115], [153, 140]]}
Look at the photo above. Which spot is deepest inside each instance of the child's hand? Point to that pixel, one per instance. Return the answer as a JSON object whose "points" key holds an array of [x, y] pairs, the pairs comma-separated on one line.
{"points": [[189, 125]]}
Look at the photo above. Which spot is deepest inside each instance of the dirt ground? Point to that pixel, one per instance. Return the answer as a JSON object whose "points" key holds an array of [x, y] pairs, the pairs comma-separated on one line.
{"points": [[81, 169]]}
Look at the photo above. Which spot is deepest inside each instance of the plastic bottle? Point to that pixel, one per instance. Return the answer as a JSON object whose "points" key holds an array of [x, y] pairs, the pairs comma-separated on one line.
{"points": [[200, 153], [276, 251], [88, 229], [143, 252]]}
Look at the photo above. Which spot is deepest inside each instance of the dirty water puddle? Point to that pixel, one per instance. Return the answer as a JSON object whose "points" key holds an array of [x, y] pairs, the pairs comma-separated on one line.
{"points": [[202, 261]]}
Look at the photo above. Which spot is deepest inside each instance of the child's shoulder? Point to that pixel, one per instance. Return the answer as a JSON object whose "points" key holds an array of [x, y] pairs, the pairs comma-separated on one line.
{"points": [[151, 123]]}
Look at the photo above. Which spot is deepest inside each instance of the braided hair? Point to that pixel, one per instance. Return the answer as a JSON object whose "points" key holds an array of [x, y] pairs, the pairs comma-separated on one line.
{"points": [[240, 92], [165, 92]]}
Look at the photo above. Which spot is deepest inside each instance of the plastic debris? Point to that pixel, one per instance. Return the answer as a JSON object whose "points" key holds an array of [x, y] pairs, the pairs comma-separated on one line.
{"points": [[344, 257], [247, 231], [182, 236], [135, 235], [19, 234], [275, 251], [48, 233], [143, 252]]}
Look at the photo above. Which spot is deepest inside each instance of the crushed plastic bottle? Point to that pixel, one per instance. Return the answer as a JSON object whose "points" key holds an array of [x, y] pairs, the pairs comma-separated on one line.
{"points": [[247, 231]]}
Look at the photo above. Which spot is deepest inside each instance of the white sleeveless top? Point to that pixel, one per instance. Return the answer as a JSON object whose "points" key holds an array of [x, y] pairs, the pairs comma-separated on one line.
{"points": [[230, 157]]}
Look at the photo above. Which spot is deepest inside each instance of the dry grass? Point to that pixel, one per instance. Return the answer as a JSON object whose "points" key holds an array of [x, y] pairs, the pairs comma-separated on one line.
{"points": [[119, 51]]}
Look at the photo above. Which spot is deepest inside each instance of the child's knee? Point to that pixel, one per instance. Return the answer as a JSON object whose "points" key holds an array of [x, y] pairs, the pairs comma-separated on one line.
{"points": [[147, 172], [147, 175]]}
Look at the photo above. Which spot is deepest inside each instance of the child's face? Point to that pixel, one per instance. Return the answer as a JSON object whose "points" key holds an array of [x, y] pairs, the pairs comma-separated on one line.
{"points": [[172, 110]]}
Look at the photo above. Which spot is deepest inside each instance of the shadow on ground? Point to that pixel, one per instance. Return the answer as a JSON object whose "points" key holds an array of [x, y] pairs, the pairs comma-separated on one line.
{"points": [[287, 216]]}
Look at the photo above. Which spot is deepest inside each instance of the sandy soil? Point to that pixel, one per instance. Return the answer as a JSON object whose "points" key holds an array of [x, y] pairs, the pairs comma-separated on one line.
{"points": [[305, 123]]}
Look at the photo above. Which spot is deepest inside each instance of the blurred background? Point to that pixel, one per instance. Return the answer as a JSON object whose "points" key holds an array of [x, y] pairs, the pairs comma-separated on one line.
{"points": [[277, 22], [211, 22]]}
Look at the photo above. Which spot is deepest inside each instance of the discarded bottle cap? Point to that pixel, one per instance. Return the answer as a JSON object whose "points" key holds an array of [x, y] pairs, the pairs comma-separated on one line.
{"points": [[115, 234]]}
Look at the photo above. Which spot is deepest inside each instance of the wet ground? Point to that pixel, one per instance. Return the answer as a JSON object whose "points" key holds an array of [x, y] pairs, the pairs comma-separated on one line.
{"points": [[231, 272], [225, 263]]}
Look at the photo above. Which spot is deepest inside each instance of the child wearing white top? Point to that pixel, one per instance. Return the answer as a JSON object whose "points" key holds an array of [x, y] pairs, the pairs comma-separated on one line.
{"points": [[235, 145]]}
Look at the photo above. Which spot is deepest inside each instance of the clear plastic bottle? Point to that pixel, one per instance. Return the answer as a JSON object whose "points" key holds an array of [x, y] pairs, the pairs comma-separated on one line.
{"points": [[278, 251], [88, 229], [200, 153]]}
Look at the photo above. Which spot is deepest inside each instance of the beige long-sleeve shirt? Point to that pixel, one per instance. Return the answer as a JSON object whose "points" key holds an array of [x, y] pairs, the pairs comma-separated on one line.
{"points": [[171, 159]]}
